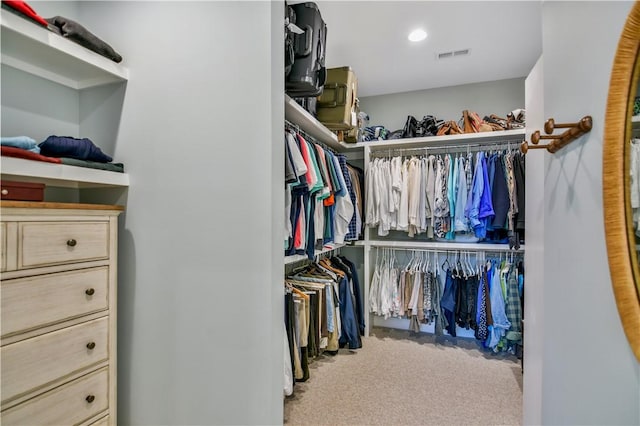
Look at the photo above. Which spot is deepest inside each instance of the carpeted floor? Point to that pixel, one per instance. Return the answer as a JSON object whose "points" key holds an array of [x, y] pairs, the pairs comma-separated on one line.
{"points": [[399, 378]]}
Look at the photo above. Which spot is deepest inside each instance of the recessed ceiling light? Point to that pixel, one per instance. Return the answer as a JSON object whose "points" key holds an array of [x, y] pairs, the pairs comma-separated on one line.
{"points": [[417, 35]]}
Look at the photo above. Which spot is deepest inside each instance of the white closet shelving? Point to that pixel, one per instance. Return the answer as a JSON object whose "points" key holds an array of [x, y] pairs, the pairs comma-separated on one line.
{"points": [[308, 124], [35, 50], [437, 245], [60, 175], [430, 144], [297, 257], [484, 138]]}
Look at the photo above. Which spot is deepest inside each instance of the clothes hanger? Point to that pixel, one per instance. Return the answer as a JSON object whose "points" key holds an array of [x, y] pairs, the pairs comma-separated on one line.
{"points": [[446, 262], [460, 267]]}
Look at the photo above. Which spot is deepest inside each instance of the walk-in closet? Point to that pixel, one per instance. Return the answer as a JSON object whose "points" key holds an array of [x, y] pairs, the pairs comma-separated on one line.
{"points": [[439, 254]]}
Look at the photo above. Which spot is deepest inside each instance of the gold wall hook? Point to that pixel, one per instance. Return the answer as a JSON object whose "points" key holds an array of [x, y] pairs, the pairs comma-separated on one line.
{"points": [[536, 136], [584, 124], [525, 147], [575, 130]]}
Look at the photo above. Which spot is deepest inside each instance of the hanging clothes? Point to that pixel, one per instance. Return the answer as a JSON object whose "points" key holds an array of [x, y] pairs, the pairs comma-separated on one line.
{"points": [[319, 197], [501, 324], [323, 312], [472, 198]]}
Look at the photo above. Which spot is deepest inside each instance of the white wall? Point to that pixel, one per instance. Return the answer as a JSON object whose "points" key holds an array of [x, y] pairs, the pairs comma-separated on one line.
{"points": [[48, 108], [446, 103], [533, 315], [200, 291], [590, 375], [49, 9]]}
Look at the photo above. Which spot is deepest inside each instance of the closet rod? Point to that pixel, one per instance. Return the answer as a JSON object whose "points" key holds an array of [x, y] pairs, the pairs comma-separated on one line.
{"points": [[317, 256], [511, 144], [307, 136], [445, 251]]}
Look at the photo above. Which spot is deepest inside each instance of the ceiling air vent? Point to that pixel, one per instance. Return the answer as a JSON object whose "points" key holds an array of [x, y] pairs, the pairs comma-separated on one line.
{"points": [[453, 53]]}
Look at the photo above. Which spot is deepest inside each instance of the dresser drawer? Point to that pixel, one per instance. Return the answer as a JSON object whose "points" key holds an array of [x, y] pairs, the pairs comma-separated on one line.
{"points": [[65, 405], [36, 301], [49, 243], [40, 360], [102, 422]]}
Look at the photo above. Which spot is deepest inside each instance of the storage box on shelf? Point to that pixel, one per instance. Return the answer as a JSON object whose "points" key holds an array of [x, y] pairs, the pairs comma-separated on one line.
{"points": [[59, 294]]}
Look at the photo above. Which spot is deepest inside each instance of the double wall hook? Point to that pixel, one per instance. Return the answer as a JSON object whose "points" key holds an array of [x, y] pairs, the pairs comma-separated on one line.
{"points": [[575, 130]]}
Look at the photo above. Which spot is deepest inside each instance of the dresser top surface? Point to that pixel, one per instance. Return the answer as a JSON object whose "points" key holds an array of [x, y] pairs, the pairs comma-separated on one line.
{"points": [[65, 206]]}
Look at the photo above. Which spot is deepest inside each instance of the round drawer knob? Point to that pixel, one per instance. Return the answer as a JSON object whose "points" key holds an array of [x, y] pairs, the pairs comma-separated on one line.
{"points": [[91, 345], [5, 192], [89, 291], [90, 398], [72, 242]]}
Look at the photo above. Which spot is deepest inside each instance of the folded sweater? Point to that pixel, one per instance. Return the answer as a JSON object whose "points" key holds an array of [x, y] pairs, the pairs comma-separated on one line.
{"points": [[10, 151], [23, 9], [112, 167], [67, 146], [24, 142], [79, 34]]}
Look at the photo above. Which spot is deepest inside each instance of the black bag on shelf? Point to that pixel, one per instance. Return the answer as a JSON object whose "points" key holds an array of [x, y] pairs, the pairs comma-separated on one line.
{"points": [[428, 126], [308, 73], [410, 127], [309, 104]]}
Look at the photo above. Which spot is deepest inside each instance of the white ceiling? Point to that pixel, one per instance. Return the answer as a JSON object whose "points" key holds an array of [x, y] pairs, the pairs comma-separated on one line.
{"points": [[504, 38]]}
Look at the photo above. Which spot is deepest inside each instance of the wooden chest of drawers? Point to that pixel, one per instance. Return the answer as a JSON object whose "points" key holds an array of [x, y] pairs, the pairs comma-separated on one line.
{"points": [[58, 313]]}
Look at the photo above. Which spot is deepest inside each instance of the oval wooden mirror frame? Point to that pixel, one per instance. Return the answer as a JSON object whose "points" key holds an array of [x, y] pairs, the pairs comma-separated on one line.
{"points": [[623, 263]]}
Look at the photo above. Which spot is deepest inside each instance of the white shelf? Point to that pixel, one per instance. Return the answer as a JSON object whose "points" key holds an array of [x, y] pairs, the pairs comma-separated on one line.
{"points": [[36, 50], [435, 141], [60, 175], [298, 257], [437, 245], [300, 117]]}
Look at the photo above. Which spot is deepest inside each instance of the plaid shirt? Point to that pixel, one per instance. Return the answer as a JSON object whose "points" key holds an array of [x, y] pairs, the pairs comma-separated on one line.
{"points": [[353, 228], [513, 307]]}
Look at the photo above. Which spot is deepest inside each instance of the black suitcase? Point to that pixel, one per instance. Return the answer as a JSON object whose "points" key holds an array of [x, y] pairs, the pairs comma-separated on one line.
{"points": [[289, 39], [308, 72]]}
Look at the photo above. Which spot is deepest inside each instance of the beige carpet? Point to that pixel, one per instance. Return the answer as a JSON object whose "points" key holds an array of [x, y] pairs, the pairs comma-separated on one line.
{"points": [[398, 378]]}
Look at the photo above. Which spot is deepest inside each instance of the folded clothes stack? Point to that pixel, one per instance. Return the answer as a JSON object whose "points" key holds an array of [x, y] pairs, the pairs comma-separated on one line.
{"points": [[60, 149]]}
